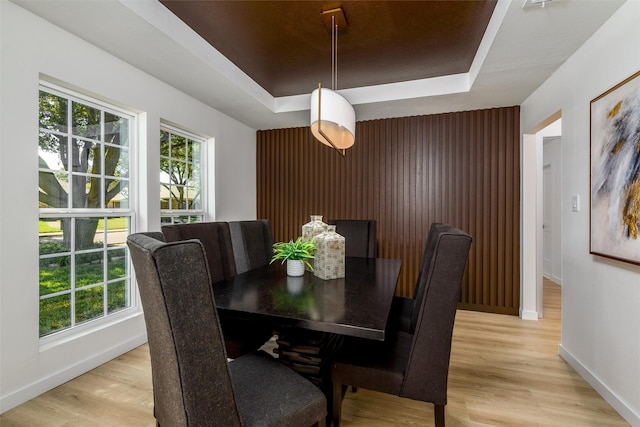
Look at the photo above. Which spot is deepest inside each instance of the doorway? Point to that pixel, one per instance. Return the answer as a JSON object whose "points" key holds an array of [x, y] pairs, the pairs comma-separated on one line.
{"points": [[533, 251], [547, 220], [551, 209]]}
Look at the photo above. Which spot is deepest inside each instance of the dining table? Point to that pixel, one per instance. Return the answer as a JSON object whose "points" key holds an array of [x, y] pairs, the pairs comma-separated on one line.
{"points": [[311, 316], [356, 305]]}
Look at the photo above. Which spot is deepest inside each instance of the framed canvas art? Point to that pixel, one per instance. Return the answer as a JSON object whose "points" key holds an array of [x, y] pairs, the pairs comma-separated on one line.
{"points": [[615, 172]]}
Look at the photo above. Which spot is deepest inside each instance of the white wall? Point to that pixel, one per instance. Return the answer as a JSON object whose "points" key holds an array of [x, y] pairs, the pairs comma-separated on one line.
{"points": [[30, 47], [236, 191], [530, 251], [600, 297]]}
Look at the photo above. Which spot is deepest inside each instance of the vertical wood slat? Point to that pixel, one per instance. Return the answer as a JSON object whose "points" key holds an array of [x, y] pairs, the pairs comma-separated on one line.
{"points": [[461, 168]]}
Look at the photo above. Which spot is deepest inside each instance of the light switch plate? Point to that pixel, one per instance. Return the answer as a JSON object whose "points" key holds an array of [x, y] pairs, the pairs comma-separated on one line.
{"points": [[575, 203]]}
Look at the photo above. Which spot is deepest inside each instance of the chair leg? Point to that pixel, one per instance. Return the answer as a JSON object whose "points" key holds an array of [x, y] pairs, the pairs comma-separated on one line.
{"points": [[438, 414], [337, 403]]}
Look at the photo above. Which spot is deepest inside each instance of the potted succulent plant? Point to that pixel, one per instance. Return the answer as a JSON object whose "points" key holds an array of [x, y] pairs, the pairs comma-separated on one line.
{"points": [[296, 253]]}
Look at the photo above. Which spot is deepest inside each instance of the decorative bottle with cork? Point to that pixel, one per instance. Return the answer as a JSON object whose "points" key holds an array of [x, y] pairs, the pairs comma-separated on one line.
{"points": [[313, 228], [328, 262]]}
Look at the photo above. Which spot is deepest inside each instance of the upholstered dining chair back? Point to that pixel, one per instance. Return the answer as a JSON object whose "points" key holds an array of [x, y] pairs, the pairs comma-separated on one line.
{"points": [[359, 235], [216, 239], [252, 243], [404, 311], [185, 339], [412, 364], [427, 371], [433, 238], [241, 335], [193, 383], [154, 234]]}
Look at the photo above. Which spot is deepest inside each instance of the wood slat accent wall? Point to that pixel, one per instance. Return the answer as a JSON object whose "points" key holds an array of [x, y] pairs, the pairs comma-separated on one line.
{"points": [[462, 168]]}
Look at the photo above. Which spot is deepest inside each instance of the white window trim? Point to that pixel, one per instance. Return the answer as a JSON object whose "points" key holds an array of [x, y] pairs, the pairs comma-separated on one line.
{"points": [[64, 335], [204, 170]]}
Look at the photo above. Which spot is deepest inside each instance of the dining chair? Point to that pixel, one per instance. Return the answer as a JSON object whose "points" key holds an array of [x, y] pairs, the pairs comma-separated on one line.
{"points": [[359, 236], [216, 239], [411, 365], [241, 335], [404, 310], [193, 383], [252, 243]]}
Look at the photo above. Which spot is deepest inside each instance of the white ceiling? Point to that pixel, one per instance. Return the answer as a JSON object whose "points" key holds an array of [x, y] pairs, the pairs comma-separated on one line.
{"points": [[521, 49]]}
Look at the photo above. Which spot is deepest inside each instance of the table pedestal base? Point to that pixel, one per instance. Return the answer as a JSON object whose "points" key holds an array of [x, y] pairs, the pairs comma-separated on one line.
{"points": [[310, 354]]}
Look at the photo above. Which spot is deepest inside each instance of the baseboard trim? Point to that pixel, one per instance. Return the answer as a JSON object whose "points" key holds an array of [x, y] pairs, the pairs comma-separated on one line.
{"points": [[555, 279], [43, 385], [529, 315], [619, 405]]}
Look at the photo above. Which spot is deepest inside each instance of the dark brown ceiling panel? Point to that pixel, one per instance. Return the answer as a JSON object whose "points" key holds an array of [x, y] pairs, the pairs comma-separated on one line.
{"points": [[286, 48]]}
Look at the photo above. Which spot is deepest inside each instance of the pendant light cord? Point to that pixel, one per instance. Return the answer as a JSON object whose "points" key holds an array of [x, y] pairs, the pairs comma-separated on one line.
{"points": [[334, 53]]}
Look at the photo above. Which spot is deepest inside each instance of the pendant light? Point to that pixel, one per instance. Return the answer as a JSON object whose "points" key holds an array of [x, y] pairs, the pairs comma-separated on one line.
{"points": [[333, 119]]}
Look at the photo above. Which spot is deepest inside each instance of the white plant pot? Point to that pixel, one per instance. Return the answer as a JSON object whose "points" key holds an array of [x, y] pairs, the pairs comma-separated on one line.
{"points": [[295, 268]]}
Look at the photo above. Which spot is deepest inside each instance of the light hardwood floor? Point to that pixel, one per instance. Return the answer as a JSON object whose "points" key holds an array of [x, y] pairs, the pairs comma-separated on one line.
{"points": [[504, 372]]}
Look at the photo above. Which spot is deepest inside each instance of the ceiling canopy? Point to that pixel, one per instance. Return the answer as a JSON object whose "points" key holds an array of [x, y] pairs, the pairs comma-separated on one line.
{"points": [[259, 61], [285, 46]]}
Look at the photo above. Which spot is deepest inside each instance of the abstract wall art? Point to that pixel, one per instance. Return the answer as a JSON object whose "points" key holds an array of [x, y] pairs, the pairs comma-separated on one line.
{"points": [[615, 172]]}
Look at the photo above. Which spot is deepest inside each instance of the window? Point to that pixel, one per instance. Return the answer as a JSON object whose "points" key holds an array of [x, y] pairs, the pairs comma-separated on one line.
{"points": [[85, 204], [181, 181]]}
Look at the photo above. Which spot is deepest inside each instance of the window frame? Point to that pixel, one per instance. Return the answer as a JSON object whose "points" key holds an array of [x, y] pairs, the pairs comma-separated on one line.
{"points": [[191, 215], [83, 326]]}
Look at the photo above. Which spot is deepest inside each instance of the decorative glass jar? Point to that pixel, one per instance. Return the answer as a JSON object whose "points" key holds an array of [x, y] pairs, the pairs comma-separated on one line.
{"points": [[328, 262], [312, 229]]}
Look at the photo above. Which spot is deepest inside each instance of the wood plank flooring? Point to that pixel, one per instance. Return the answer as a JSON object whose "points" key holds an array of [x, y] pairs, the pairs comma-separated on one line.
{"points": [[504, 372]]}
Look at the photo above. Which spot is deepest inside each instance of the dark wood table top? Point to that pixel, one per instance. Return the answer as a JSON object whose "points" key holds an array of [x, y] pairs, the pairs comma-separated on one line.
{"points": [[357, 305]]}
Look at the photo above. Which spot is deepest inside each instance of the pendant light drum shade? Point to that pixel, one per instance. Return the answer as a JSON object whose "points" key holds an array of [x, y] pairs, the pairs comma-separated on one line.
{"points": [[333, 116]]}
